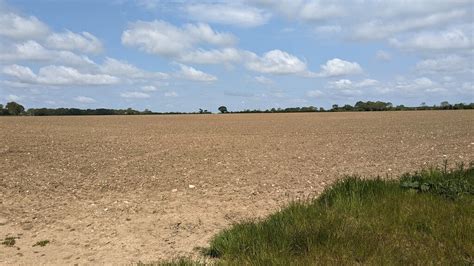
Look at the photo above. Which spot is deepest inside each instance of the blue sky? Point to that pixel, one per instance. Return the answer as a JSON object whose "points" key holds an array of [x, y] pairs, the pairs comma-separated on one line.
{"points": [[185, 55]]}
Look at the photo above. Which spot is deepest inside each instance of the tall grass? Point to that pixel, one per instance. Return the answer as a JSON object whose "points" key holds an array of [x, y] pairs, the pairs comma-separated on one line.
{"points": [[422, 218]]}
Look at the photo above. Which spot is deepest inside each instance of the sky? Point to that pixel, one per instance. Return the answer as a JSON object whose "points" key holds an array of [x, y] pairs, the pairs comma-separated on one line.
{"points": [[244, 54]]}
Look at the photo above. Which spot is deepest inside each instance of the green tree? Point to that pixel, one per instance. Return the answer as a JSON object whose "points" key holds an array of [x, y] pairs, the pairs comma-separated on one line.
{"points": [[223, 109], [3, 111], [15, 108]]}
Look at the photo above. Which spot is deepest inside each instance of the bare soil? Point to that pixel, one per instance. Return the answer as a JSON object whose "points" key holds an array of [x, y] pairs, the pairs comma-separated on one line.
{"points": [[118, 189]]}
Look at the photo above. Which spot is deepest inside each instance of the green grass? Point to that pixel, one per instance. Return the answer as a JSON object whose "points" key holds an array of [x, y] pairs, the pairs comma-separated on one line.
{"points": [[422, 218]]}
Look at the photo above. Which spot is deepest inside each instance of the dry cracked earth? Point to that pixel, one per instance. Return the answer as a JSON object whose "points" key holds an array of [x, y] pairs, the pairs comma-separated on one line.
{"points": [[118, 189]]}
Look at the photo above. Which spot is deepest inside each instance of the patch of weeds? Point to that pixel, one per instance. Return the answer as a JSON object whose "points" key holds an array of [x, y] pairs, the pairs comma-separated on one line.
{"points": [[9, 241], [450, 184], [41, 243], [176, 262]]}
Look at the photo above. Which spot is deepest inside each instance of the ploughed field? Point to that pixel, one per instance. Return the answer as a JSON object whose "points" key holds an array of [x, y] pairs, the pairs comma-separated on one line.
{"points": [[122, 189]]}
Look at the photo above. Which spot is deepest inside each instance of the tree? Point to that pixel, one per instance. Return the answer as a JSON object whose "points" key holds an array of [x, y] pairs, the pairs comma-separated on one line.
{"points": [[14, 108], [445, 105], [3, 111], [223, 109]]}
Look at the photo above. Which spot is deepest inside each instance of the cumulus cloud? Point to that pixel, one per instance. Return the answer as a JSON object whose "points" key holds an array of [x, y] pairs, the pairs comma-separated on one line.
{"points": [[277, 62], [453, 39], [338, 67], [84, 99], [33, 51], [350, 88], [123, 69], [82, 42], [162, 38], [229, 14], [314, 93], [445, 64], [57, 76], [135, 95], [348, 84], [264, 80], [381, 29], [416, 86], [13, 97], [191, 73], [20, 73], [305, 10], [18, 27], [214, 56]]}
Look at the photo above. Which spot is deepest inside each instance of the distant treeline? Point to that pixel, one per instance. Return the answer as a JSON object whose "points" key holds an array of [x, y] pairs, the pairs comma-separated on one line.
{"points": [[364, 107], [13, 108], [100, 111]]}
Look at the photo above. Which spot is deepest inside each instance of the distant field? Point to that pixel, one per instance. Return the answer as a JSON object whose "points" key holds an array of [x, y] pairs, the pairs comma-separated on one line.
{"points": [[118, 189]]}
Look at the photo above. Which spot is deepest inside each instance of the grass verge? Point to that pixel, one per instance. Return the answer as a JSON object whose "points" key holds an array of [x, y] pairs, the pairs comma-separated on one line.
{"points": [[421, 218]]}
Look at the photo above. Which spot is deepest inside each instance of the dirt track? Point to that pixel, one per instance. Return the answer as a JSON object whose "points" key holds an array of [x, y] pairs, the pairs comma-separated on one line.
{"points": [[116, 189]]}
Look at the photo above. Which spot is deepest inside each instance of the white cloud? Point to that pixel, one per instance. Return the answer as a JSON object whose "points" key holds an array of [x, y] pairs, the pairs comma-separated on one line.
{"points": [[348, 87], [13, 98], [305, 10], [134, 95], [445, 64], [341, 84], [314, 93], [33, 51], [215, 56], [264, 80], [416, 86], [61, 75], [191, 73], [57, 76], [149, 88], [84, 99], [21, 73], [229, 14], [22, 28], [338, 67], [380, 29], [383, 55], [315, 10], [83, 42], [123, 69], [367, 83], [171, 94], [454, 39], [277, 62], [162, 38], [468, 88]]}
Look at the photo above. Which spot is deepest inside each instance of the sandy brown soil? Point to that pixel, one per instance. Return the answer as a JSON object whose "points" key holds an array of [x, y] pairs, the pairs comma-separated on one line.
{"points": [[117, 189]]}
